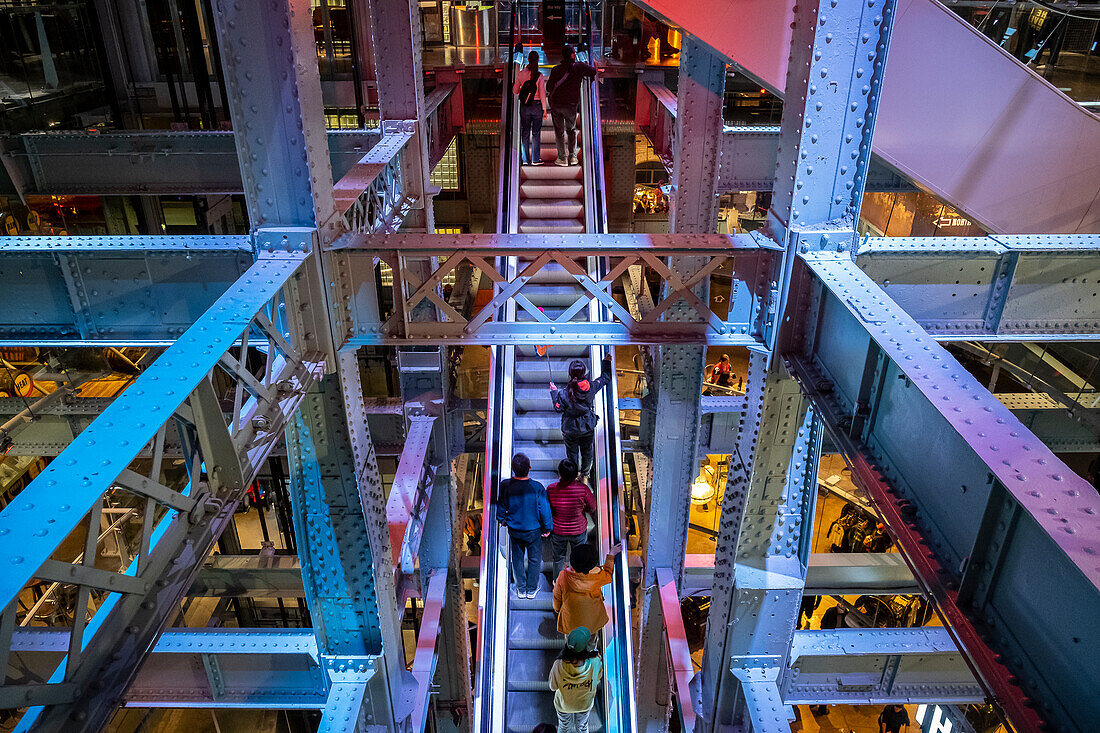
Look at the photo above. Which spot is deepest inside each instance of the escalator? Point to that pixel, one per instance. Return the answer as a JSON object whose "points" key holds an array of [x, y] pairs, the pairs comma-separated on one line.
{"points": [[518, 640], [959, 115]]}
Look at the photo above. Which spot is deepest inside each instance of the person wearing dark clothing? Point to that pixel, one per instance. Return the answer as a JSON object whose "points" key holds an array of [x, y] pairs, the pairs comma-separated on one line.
{"points": [[578, 419], [569, 500], [877, 540], [1094, 472], [834, 618], [564, 90], [893, 719], [806, 610], [530, 87], [524, 507]]}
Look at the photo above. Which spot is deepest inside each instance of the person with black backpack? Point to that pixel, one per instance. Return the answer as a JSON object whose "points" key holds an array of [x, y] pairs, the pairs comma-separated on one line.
{"points": [[578, 419], [565, 101], [530, 87]]}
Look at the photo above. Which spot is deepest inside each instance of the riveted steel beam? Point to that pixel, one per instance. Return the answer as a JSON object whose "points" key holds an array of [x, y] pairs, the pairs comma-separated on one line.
{"points": [[154, 163], [996, 288], [877, 666], [1008, 526], [255, 668], [112, 290]]}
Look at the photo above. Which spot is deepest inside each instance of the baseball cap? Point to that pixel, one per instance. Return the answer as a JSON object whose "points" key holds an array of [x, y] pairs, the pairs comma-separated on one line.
{"points": [[578, 639]]}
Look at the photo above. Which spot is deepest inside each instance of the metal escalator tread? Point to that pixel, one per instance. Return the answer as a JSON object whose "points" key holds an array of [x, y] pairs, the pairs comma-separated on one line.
{"points": [[551, 200], [551, 226]]}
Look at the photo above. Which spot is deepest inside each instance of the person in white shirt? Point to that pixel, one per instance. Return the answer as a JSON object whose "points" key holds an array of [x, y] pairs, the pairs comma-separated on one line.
{"points": [[530, 87]]}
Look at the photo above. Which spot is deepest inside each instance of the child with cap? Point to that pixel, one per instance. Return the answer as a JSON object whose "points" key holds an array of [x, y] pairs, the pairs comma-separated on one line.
{"points": [[574, 679], [578, 599]]}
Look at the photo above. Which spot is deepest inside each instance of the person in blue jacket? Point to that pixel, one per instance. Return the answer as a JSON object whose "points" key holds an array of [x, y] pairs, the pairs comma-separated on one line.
{"points": [[523, 506]]}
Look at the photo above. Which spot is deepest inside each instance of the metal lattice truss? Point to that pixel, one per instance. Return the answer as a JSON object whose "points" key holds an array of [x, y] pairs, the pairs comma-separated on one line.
{"points": [[372, 197], [227, 386], [420, 264]]}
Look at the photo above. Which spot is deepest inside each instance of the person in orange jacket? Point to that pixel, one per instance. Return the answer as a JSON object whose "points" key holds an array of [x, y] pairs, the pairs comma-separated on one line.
{"points": [[578, 600]]}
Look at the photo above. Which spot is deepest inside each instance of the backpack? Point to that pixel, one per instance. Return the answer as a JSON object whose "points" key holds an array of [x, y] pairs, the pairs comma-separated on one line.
{"points": [[529, 89]]}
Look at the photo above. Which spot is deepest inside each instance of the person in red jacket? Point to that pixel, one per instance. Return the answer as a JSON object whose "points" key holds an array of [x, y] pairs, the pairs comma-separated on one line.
{"points": [[569, 500]]}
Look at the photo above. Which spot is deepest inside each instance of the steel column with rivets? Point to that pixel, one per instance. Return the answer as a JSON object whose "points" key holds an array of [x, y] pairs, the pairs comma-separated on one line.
{"points": [[769, 570], [269, 54], [680, 372], [351, 619], [395, 25], [834, 78], [838, 53], [715, 668]]}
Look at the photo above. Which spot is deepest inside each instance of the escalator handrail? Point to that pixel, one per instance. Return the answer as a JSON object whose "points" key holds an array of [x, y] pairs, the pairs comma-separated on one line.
{"points": [[492, 636], [486, 715], [507, 215], [595, 210]]}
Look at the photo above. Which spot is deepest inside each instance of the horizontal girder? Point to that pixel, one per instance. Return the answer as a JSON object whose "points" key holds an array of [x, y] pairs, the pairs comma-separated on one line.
{"points": [[996, 288]]}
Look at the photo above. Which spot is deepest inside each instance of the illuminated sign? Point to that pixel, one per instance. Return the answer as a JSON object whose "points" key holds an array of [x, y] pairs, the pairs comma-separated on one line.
{"points": [[24, 385], [936, 719], [952, 221]]}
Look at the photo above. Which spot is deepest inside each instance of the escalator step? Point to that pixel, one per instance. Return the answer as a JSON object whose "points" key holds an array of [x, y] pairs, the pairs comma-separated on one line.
{"points": [[551, 209], [551, 189], [572, 351], [550, 173], [550, 226]]}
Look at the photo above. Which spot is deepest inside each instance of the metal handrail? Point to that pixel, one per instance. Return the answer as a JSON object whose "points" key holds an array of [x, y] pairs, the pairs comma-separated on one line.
{"points": [[509, 115], [618, 682]]}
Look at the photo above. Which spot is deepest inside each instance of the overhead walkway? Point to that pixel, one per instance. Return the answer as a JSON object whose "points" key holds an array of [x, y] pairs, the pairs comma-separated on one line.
{"points": [[518, 639], [959, 115]]}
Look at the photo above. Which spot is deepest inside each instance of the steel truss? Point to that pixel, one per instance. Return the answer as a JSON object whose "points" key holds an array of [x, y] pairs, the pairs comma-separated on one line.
{"points": [[420, 263], [250, 337], [972, 536]]}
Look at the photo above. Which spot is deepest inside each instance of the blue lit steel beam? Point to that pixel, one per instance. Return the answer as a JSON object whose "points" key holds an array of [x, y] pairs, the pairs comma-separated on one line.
{"points": [[996, 288], [877, 666], [175, 391], [269, 54], [339, 563], [112, 290], [217, 668], [155, 163], [1007, 538]]}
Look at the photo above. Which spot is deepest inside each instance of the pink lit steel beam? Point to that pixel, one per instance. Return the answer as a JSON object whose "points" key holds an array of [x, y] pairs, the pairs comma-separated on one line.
{"points": [[959, 115], [678, 652]]}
